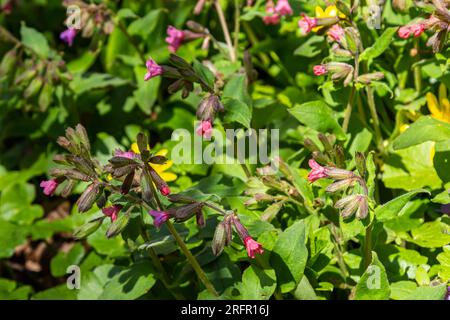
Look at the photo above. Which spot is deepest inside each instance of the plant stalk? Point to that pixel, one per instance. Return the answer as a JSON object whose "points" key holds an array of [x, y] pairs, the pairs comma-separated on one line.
{"points": [[225, 30]]}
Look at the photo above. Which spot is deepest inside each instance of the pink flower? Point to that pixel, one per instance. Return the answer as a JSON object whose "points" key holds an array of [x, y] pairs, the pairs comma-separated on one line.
{"points": [[317, 171], [306, 24], [404, 32], [49, 186], [253, 247], [153, 69], [283, 8], [159, 217], [320, 70], [165, 191], [205, 129], [125, 154], [7, 7], [417, 29], [336, 32], [272, 17], [68, 36], [112, 211], [175, 38]]}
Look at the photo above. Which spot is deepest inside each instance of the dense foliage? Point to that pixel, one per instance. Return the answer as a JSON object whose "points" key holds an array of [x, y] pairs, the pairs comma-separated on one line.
{"points": [[96, 204]]}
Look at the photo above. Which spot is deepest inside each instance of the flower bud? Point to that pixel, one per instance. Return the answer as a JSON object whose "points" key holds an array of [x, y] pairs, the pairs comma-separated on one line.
{"points": [[219, 239], [369, 77], [33, 88], [88, 198], [340, 185], [179, 198], [339, 156], [185, 212], [127, 183], [310, 145], [325, 142], [360, 161], [118, 225], [88, 228], [338, 174], [8, 62], [159, 182]]}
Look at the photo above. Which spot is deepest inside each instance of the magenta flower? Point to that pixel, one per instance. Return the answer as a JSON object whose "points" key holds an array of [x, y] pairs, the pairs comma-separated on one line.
{"points": [[283, 8], [336, 32], [159, 217], [175, 38], [68, 36], [125, 154], [317, 171], [49, 186], [447, 294], [414, 29], [112, 211], [153, 69], [205, 129], [253, 247], [7, 7], [165, 191], [272, 17], [306, 24], [320, 70]]}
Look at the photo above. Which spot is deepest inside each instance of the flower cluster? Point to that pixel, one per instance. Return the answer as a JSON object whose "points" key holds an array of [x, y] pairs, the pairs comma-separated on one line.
{"points": [[344, 180], [275, 12]]}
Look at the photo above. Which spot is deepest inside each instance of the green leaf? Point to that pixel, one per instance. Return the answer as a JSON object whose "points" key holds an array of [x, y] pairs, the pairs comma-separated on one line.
{"points": [[59, 264], [380, 45], [431, 235], [11, 236], [81, 84], [311, 47], [257, 284], [10, 291], [393, 208], [205, 74], [426, 128], [289, 256], [35, 40], [374, 284], [237, 111], [147, 92], [317, 115], [236, 88], [60, 292], [428, 293], [145, 25], [400, 290], [305, 291]]}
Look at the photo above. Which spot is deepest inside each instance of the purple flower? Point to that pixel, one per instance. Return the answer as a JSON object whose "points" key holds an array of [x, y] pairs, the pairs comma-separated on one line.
{"points": [[112, 211], [175, 38], [283, 8], [49, 186], [253, 247], [153, 69], [205, 129], [68, 36], [125, 154], [317, 171], [447, 294], [159, 217]]}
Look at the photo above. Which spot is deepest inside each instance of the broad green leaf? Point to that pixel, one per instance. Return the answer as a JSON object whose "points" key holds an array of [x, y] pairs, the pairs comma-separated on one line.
{"points": [[305, 291], [426, 128], [393, 208], [35, 40], [257, 283], [10, 291], [204, 72], [145, 25], [373, 284], [236, 88], [428, 293], [317, 115], [311, 47], [147, 92], [59, 263], [237, 111], [380, 45], [289, 256], [11, 236], [81, 84], [431, 235], [400, 290], [60, 292]]}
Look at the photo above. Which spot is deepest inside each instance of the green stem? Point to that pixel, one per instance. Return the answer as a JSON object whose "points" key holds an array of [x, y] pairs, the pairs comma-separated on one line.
{"points": [[348, 110], [417, 69], [247, 172], [237, 25], [254, 41], [225, 30], [375, 119], [194, 263], [368, 246]]}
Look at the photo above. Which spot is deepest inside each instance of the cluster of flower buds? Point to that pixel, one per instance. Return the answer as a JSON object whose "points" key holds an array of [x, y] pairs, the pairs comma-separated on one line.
{"points": [[35, 77], [438, 23], [206, 112], [337, 70], [176, 37], [330, 164], [224, 233], [93, 18], [275, 12]]}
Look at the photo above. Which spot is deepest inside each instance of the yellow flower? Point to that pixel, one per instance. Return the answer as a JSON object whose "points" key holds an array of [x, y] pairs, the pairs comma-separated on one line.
{"points": [[159, 168], [439, 109], [330, 12]]}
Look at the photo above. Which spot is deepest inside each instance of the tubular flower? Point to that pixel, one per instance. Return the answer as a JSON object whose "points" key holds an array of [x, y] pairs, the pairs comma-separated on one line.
{"points": [[112, 211], [68, 36], [253, 247], [153, 69], [317, 171], [159, 217], [306, 24], [439, 109], [124, 154], [336, 32], [205, 129], [320, 70], [329, 12], [175, 38], [273, 17], [415, 30], [159, 168], [49, 186], [283, 8]]}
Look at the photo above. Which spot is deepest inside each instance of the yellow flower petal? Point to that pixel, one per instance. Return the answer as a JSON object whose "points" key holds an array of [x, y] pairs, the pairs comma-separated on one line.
{"points": [[319, 12], [135, 148], [162, 167], [433, 105], [432, 152], [403, 127], [162, 152], [331, 11], [168, 176], [445, 105], [442, 93]]}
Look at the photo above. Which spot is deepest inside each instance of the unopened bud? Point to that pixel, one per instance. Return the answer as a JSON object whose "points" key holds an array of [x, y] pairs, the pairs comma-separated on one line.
{"points": [[369, 77], [339, 174], [360, 161], [88, 198], [88, 228], [340, 185], [185, 212], [118, 225], [219, 239]]}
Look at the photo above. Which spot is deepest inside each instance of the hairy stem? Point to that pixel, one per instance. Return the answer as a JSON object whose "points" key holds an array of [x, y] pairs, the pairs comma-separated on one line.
{"points": [[348, 110], [368, 246]]}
